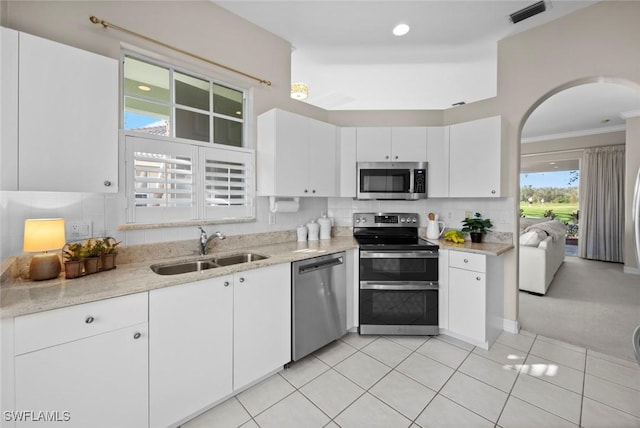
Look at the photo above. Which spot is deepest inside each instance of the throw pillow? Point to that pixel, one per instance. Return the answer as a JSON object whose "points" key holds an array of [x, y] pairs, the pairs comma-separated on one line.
{"points": [[530, 239]]}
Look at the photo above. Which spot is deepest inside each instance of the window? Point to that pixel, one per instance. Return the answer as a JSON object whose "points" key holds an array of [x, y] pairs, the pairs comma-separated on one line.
{"points": [[171, 181], [191, 164], [161, 100]]}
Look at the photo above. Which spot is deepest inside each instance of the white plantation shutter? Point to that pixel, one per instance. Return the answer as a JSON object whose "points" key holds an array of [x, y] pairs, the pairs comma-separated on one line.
{"points": [[171, 180], [161, 180], [228, 182]]}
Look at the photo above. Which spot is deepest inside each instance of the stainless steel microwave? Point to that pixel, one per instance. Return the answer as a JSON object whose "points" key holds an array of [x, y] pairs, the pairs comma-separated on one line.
{"points": [[392, 180]]}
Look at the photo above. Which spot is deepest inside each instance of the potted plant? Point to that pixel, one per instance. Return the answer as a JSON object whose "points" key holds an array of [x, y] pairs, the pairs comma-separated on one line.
{"points": [[73, 260], [93, 249], [476, 226], [110, 247]]}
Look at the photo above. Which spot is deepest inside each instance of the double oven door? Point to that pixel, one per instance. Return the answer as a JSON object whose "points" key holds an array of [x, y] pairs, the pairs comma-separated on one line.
{"points": [[398, 291]]}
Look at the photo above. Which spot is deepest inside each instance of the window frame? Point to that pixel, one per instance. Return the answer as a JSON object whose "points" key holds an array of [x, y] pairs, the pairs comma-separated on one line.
{"points": [[173, 105]]}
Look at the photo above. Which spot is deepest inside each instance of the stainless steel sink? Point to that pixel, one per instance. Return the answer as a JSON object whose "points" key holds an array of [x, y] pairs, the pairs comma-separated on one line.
{"points": [[234, 259], [183, 267], [204, 264]]}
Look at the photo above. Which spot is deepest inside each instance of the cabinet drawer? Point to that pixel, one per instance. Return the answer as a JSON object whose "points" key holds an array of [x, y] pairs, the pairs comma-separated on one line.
{"points": [[49, 328], [468, 261]]}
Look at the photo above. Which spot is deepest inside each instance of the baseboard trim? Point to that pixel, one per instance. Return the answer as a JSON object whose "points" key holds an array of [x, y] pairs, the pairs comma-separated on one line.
{"points": [[510, 326], [631, 271]]}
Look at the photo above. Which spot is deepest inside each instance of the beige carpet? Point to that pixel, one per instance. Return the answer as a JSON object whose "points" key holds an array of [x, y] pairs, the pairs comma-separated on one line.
{"points": [[589, 303]]}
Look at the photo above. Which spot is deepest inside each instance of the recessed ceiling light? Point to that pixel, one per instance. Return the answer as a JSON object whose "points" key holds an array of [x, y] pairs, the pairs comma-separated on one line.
{"points": [[144, 88], [401, 29]]}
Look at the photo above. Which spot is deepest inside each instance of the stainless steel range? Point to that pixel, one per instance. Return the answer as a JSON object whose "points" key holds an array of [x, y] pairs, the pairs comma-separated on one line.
{"points": [[398, 275]]}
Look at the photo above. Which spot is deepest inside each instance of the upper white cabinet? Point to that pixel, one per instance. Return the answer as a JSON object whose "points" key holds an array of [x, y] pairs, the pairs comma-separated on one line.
{"points": [[475, 158], [296, 155], [9, 109], [66, 135], [400, 144], [438, 162], [347, 162]]}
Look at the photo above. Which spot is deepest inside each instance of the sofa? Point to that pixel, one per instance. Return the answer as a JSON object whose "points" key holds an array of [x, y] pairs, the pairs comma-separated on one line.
{"points": [[542, 245]]}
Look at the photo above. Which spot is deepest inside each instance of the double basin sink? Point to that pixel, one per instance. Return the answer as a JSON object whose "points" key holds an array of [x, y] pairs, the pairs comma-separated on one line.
{"points": [[204, 263]]}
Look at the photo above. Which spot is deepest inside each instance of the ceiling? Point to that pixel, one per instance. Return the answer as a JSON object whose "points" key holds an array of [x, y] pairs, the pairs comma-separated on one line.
{"points": [[346, 53]]}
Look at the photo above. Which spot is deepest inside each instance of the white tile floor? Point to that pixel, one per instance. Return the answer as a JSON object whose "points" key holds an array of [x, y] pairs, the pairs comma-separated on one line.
{"points": [[523, 381]]}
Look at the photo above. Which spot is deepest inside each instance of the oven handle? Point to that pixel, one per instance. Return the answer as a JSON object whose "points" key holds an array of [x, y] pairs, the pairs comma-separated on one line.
{"points": [[423, 254], [408, 285]]}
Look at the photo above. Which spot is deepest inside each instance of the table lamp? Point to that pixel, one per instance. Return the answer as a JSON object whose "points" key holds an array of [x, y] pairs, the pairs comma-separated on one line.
{"points": [[42, 235]]}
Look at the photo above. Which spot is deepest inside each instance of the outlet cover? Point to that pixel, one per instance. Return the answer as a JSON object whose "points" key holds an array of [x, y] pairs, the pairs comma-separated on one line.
{"points": [[78, 229]]}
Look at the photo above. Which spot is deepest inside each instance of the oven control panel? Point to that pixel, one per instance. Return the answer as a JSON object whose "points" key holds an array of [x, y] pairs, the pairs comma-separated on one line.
{"points": [[386, 219]]}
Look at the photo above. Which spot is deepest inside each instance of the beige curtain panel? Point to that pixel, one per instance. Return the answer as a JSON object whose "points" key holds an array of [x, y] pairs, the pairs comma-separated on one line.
{"points": [[601, 230]]}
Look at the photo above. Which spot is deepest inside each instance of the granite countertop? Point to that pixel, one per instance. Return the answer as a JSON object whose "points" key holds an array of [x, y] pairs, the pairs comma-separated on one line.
{"points": [[486, 248], [21, 297]]}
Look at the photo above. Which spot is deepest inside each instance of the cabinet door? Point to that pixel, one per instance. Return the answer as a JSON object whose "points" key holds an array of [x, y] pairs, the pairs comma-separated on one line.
{"points": [[409, 144], [373, 144], [101, 381], [322, 170], [9, 109], [291, 154], [262, 323], [438, 162], [467, 303], [475, 158], [68, 126], [347, 162], [443, 289], [190, 354]]}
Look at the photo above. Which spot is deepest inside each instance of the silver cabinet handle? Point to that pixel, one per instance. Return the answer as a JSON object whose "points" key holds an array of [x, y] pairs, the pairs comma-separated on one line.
{"points": [[313, 191], [466, 260], [137, 335], [396, 157], [306, 191], [89, 320], [493, 192], [477, 278], [226, 283], [107, 183], [241, 279], [386, 157]]}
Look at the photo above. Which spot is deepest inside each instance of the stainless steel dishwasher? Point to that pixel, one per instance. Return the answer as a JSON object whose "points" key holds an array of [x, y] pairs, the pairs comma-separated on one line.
{"points": [[319, 303]]}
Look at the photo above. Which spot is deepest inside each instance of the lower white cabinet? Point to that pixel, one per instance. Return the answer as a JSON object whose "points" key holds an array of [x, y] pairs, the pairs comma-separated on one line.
{"points": [[213, 337], [475, 297], [191, 351], [96, 381], [261, 322]]}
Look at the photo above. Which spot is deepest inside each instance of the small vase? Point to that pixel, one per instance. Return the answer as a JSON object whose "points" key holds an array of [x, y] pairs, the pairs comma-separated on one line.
{"points": [[91, 265], [72, 269], [476, 237], [108, 261]]}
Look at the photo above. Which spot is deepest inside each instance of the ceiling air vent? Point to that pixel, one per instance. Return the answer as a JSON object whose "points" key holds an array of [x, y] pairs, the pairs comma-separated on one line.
{"points": [[528, 12]]}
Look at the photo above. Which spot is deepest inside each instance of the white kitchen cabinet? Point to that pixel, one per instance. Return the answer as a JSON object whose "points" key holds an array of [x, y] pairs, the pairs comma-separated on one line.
{"points": [[101, 380], [68, 118], [261, 322], [9, 109], [383, 144], [443, 289], [296, 155], [475, 296], [191, 350], [438, 166], [347, 162], [475, 158]]}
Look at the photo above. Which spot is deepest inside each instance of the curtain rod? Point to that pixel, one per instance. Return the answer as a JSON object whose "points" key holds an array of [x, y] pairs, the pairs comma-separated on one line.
{"points": [[107, 24]]}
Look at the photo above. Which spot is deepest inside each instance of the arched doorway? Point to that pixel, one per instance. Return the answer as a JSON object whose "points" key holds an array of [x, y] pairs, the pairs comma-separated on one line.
{"points": [[566, 322]]}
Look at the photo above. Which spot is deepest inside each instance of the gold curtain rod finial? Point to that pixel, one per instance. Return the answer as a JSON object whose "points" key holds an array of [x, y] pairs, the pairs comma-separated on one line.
{"points": [[95, 20]]}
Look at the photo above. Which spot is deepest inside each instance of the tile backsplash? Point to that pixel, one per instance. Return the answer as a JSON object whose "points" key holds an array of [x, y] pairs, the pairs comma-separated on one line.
{"points": [[105, 213]]}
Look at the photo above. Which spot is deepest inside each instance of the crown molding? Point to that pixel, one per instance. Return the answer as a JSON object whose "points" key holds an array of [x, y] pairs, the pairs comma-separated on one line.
{"points": [[574, 134], [629, 114]]}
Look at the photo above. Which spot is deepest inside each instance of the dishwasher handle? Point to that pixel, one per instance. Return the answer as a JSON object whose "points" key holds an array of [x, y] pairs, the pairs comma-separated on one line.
{"points": [[326, 264]]}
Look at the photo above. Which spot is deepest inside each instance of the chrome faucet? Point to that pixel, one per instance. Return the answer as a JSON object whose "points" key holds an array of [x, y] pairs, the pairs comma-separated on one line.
{"points": [[204, 240]]}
